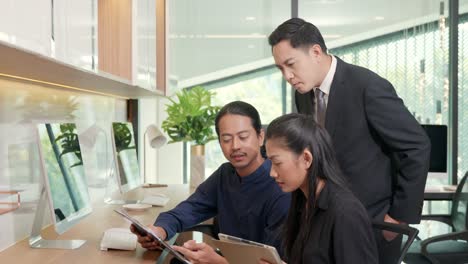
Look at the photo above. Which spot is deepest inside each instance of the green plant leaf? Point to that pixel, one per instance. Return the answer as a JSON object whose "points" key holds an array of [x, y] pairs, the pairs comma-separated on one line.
{"points": [[122, 136], [191, 117], [68, 141]]}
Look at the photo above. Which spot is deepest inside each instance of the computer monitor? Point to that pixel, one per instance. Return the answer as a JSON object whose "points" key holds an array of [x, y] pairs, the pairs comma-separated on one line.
{"points": [[65, 187], [125, 157], [438, 137]]}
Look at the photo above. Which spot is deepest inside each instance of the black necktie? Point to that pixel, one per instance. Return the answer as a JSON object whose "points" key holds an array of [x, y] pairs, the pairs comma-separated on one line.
{"points": [[320, 107]]}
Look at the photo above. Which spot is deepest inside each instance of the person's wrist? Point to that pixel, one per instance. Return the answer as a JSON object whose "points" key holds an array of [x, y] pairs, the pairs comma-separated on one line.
{"points": [[390, 219], [160, 232]]}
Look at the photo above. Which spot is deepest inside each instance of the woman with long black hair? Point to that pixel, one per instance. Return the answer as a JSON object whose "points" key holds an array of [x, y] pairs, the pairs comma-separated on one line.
{"points": [[326, 222]]}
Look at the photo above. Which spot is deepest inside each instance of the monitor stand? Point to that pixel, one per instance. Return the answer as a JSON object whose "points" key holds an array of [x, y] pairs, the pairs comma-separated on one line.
{"points": [[109, 200], [36, 240], [110, 190]]}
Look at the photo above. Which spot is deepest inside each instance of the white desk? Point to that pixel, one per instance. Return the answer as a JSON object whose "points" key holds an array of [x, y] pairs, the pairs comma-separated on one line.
{"points": [[439, 193], [91, 229]]}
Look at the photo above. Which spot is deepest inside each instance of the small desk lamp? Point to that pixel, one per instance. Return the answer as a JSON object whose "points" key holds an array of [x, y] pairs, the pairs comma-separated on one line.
{"points": [[156, 140]]}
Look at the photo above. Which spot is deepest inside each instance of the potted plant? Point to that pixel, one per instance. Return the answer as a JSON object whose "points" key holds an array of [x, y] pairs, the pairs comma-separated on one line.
{"points": [[190, 119]]}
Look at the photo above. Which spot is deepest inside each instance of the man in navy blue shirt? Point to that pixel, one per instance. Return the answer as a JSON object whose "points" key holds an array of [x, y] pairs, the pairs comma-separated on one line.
{"points": [[241, 194]]}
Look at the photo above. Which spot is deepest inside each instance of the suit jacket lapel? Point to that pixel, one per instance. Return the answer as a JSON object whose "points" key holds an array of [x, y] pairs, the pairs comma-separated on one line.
{"points": [[335, 98], [305, 102]]}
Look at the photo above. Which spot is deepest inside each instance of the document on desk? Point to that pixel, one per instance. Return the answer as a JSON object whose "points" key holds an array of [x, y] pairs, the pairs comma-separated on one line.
{"points": [[238, 250]]}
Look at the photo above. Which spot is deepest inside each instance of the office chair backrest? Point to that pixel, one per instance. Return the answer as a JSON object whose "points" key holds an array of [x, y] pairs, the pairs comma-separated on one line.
{"points": [[408, 231], [459, 213]]}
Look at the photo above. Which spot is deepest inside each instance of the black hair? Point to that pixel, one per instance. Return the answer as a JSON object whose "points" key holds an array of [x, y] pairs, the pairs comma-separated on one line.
{"points": [[300, 34], [297, 132], [243, 109]]}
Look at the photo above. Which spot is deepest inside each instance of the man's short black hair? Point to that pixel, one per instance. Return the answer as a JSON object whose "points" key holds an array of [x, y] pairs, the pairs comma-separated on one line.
{"points": [[243, 109], [300, 34]]}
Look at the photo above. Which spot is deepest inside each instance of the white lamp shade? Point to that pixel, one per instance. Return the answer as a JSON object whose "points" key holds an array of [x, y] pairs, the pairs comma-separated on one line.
{"points": [[155, 137]]}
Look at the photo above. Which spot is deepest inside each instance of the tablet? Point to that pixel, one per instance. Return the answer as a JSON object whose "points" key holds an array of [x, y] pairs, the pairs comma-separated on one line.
{"points": [[225, 237], [143, 230], [252, 251]]}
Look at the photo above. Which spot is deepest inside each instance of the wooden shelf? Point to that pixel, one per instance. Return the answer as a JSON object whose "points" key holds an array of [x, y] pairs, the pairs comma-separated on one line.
{"points": [[26, 65]]}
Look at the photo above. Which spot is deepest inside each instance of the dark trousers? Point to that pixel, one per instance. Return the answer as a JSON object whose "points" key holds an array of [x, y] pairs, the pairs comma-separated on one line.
{"points": [[389, 251]]}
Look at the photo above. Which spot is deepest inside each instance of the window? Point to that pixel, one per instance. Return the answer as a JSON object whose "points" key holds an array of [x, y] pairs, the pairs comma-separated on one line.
{"points": [[266, 92], [415, 61]]}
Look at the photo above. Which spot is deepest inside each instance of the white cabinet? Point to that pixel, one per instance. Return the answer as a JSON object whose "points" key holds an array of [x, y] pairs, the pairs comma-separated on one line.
{"points": [[60, 29], [27, 24], [75, 28], [144, 44], [116, 37]]}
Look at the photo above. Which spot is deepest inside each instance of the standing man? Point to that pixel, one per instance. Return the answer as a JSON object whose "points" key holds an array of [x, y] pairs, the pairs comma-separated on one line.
{"points": [[381, 148]]}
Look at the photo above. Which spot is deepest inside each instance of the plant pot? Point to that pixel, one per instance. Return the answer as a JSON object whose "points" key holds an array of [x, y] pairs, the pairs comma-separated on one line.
{"points": [[197, 165]]}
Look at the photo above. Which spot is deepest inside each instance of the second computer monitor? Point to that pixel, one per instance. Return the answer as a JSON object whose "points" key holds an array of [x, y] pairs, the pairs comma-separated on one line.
{"points": [[125, 156], [438, 137]]}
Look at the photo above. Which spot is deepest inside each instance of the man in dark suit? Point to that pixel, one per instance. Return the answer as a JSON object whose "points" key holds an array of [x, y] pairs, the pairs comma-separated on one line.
{"points": [[381, 148]]}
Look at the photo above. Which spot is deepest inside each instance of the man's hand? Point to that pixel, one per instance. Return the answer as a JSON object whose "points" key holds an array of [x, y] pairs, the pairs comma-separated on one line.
{"points": [[388, 235], [200, 253], [148, 242]]}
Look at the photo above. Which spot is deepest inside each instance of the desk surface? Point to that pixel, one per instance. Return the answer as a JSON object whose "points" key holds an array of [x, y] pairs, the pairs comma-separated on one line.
{"points": [[439, 193], [91, 229]]}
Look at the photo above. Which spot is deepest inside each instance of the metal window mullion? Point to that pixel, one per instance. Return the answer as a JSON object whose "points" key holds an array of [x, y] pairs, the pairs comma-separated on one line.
{"points": [[453, 90], [294, 8]]}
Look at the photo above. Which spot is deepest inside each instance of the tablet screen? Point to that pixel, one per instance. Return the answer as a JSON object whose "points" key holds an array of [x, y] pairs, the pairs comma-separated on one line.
{"points": [[144, 230]]}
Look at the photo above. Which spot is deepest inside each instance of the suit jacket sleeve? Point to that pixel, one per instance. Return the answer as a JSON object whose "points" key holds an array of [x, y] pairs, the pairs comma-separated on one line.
{"points": [[408, 143]]}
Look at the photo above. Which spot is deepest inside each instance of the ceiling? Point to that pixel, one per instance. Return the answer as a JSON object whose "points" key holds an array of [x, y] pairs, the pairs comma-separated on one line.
{"points": [[206, 36]]}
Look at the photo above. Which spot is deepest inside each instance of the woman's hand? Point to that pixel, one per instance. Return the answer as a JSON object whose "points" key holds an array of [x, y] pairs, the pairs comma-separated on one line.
{"points": [[200, 253]]}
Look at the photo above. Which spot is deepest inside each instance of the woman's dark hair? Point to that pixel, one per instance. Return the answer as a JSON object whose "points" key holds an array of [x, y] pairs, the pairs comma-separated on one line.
{"points": [[243, 109], [297, 132], [299, 32]]}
